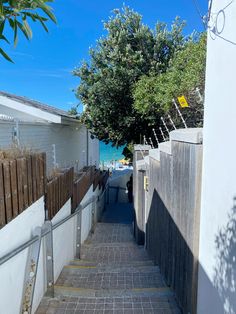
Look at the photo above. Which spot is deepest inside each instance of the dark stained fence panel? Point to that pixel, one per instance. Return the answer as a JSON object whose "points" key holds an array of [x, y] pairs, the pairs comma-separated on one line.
{"points": [[18, 185], [97, 179], [58, 192], [82, 185]]}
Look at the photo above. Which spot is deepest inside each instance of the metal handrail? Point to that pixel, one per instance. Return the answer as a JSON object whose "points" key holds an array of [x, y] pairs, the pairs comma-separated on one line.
{"points": [[28, 243]]}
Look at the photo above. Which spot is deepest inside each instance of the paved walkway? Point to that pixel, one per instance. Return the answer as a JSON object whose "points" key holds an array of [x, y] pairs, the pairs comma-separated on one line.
{"points": [[114, 275]]}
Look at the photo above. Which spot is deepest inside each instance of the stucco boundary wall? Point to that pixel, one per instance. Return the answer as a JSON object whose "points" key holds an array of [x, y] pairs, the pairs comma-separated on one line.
{"points": [[140, 151], [21, 229], [168, 209]]}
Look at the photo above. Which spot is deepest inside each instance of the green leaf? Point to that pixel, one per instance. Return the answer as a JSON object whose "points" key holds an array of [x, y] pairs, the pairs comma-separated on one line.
{"points": [[15, 33], [47, 10], [27, 28], [4, 38], [2, 24], [1, 9], [27, 32], [3, 53], [43, 24], [49, 13]]}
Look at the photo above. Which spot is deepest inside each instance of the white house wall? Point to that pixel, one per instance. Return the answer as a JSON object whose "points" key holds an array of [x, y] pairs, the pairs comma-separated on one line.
{"points": [[94, 152], [217, 268], [70, 142]]}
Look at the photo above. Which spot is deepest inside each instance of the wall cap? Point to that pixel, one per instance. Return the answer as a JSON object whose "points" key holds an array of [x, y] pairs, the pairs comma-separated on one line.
{"points": [[191, 135], [142, 147], [155, 153], [165, 147]]}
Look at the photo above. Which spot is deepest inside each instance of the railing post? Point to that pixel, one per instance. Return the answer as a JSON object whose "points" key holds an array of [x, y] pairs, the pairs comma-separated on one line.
{"points": [[31, 273], [47, 228], [78, 233]]}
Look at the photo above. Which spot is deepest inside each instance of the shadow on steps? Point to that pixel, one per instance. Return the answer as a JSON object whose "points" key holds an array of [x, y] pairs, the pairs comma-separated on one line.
{"points": [[122, 213]]}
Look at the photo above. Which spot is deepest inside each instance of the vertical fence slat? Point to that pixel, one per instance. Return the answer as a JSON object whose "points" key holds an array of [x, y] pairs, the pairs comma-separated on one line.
{"points": [[41, 175], [34, 174], [2, 200], [7, 190], [20, 185], [25, 183], [14, 191], [49, 200], [38, 181], [29, 178]]}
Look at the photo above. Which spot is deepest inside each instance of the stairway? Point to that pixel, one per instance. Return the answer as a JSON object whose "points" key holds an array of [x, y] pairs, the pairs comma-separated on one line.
{"points": [[113, 276]]}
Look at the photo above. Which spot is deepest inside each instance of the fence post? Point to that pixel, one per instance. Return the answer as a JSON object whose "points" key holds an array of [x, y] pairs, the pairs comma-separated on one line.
{"points": [[47, 228], [31, 273], [78, 233], [94, 208]]}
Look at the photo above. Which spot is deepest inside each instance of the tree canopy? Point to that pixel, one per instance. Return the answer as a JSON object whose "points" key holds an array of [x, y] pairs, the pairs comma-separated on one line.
{"points": [[121, 67], [184, 76], [16, 14]]}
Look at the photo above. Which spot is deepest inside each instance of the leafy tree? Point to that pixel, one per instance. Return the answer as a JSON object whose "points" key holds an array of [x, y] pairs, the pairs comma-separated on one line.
{"points": [[128, 51], [185, 76], [16, 13]]}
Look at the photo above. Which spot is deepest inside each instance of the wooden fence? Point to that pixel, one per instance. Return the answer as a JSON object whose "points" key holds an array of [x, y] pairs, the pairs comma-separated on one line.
{"points": [[22, 182], [59, 191], [82, 185], [97, 179], [172, 210], [100, 178], [103, 179]]}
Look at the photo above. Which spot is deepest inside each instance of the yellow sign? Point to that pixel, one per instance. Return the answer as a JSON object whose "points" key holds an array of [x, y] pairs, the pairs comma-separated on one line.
{"points": [[183, 102], [145, 183]]}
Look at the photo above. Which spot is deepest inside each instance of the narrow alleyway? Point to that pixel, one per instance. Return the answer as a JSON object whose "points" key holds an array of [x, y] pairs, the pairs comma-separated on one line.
{"points": [[114, 275]]}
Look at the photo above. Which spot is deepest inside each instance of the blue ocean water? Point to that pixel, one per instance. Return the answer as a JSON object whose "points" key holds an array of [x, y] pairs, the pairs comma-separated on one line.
{"points": [[109, 153]]}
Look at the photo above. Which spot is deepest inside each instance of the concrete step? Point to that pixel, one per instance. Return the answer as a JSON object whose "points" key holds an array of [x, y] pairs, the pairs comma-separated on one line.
{"points": [[111, 233], [129, 244], [113, 254], [120, 280], [135, 268], [91, 264], [156, 303], [60, 291]]}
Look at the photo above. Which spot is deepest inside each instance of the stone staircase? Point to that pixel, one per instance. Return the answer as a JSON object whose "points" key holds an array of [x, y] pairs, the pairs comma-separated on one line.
{"points": [[113, 276]]}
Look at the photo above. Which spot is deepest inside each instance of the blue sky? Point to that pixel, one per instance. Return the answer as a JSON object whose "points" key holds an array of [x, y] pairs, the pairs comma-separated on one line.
{"points": [[42, 68]]}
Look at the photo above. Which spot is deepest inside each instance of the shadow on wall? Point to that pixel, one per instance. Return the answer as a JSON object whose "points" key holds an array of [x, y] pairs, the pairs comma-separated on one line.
{"points": [[225, 270], [170, 251]]}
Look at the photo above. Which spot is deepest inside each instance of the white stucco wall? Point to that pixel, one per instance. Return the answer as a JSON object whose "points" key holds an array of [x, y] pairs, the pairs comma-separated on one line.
{"points": [[12, 272], [217, 272], [64, 239], [86, 216], [20, 230], [70, 142]]}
